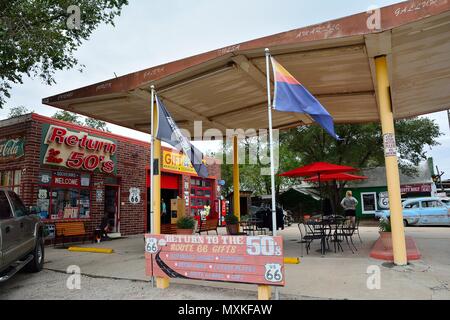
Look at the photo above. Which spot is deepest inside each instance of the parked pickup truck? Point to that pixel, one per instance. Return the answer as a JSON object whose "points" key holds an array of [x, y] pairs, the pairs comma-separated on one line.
{"points": [[21, 237]]}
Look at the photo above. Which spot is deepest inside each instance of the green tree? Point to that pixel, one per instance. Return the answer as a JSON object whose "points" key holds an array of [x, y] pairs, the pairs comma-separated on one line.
{"points": [[67, 116], [75, 118], [96, 124], [18, 111], [36, 39]]}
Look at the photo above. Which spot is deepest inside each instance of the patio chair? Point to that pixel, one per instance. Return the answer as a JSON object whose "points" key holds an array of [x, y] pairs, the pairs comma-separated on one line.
{"points": [[357, 229], [303, 232], [337, 224], [347, 231], [316, 232]]}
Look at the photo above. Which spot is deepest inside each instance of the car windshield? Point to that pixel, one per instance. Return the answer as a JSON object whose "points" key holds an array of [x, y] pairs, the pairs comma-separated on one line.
{"points": [[412, 205]]}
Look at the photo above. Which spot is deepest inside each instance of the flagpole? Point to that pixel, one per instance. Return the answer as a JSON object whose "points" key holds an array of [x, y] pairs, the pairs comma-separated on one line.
{"points": [[152, 160], [272, 166]]}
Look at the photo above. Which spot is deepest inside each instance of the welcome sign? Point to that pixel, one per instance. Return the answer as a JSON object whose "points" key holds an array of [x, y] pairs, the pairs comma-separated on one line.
{"points": [[12, 149], [240, 259], [77, 150]]}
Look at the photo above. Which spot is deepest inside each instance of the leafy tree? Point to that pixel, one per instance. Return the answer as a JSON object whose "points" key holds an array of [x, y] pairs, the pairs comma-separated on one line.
{"points": [[18, 111], [37, 38], [96, 124], [67, 116], [75, 118]]}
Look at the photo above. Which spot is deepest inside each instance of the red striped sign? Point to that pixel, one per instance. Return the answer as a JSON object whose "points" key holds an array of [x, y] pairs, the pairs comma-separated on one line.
{"points": [[254, 260]]}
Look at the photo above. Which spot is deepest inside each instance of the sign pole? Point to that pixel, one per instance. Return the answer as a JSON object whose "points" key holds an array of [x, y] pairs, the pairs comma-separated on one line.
{"points": [[272, 167]]}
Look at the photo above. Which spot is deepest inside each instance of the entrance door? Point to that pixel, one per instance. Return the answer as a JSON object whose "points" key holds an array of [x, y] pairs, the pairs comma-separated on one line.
{"points": [[112, 207]]}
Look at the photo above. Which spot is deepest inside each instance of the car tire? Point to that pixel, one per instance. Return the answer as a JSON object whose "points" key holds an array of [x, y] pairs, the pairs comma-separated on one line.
{"points": [[37, 263], [405, 223]]}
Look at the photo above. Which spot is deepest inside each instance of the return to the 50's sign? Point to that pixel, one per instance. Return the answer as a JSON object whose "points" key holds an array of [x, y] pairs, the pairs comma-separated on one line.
{"points": [[253, 260]]}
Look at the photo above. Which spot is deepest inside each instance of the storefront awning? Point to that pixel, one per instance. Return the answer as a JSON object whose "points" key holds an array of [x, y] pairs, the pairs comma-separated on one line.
{"points": [[226, 88]]}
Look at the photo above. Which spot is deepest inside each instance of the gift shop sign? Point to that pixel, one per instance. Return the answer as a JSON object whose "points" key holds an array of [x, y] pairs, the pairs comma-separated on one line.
{"points": [[252, 260], [78, 150], [178, 162], [11, 149]]}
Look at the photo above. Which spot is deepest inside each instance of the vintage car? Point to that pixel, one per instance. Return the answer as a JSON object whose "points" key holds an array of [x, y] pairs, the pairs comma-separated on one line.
{"points": [[429, 211]]}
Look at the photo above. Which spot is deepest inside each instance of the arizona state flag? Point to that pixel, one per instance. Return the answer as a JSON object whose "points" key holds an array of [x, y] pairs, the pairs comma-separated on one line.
{"points": [[291, 96], [169, 132]]}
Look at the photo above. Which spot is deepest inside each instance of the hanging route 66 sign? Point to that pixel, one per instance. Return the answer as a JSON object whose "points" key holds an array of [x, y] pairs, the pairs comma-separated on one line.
{"points": [[135, 195]]}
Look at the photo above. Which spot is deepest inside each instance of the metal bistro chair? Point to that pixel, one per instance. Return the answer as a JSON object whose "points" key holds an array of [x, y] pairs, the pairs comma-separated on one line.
{"points": [[346, 231], [357, 229], [337, 224], [303, 232], [316, 231]]}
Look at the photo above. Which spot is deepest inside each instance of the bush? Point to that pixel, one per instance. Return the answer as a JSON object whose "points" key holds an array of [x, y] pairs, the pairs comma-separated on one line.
{"points": [[186, 223], [385, 225], [231, 219]]}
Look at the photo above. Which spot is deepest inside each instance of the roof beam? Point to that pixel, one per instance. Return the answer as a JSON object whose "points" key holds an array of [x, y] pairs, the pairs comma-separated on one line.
{"points": [[251, 71]]}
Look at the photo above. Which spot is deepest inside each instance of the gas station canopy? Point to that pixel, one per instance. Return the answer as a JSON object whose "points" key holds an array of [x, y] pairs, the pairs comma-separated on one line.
{"points": [[226, 88]]}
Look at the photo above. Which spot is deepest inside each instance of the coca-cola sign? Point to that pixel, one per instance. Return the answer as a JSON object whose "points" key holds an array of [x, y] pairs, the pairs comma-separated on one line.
{"points": [[11, 149]]}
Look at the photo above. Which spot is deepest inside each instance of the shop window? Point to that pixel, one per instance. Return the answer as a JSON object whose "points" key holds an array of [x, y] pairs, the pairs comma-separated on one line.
{"points": [[201, 195], [85, 203], [369, 202], [11, 180], [64, 195]]}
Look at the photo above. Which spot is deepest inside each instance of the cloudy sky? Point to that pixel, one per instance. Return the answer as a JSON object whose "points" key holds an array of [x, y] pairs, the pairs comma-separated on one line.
{"points": [[151, 32]]}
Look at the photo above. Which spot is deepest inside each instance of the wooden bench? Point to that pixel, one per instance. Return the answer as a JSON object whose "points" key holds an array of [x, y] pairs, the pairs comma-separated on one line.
{"points": [[208, 225], [64, 230], [168, 229]]}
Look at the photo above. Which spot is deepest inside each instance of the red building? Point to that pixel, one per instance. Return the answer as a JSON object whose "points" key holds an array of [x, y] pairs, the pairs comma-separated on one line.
{"points": [[74, 173]]}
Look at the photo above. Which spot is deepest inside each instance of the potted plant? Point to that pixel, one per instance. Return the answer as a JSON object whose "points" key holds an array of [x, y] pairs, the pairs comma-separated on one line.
{"points": [[232, 223], [185, 225], [385, 233]]}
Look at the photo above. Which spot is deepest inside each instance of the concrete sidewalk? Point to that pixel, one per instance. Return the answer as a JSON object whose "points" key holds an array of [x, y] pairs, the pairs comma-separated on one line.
{"points": [[335, 276]]}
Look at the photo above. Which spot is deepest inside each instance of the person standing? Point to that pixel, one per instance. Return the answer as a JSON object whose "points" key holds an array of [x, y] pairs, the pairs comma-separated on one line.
{"points": [[349, 204]]}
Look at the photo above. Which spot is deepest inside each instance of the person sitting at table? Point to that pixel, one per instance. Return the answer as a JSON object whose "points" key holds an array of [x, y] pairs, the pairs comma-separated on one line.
{"points": [[349, 204]]}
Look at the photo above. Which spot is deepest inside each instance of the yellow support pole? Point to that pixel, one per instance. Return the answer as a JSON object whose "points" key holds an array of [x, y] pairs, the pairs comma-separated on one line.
{"points": [[392, 172], [236, 187], [264, 293]]}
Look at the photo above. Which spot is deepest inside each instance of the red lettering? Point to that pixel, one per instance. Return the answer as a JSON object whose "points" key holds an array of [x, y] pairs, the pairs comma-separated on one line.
{"points": [[71, 141], [108, 167], [92, 144], [57, 135], [75, 160], [91, 162], [83, 142]]}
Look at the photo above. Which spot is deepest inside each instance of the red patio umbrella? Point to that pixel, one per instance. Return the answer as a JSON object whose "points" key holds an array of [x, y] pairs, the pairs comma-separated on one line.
{"points": [[318, 169], [337, 177]]}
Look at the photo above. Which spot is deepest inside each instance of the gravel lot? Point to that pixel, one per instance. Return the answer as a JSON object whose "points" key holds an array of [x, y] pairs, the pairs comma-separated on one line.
{"points": [[50, 285]]}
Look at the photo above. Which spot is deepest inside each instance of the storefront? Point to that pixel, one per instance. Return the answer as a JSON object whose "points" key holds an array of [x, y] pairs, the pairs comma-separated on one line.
{"points": [[74, 173], [372, 193], [182, 189]]}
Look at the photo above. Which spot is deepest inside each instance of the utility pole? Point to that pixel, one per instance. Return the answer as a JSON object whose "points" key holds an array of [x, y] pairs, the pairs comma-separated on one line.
{"points": [[439, 176]]}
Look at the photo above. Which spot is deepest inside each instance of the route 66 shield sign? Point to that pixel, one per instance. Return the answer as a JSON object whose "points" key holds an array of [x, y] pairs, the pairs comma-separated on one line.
{"points": [[273, 272], [135, 195]]}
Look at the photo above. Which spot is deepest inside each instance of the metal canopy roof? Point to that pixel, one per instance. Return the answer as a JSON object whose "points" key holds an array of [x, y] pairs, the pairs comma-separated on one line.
{"points": [[226, 88]]}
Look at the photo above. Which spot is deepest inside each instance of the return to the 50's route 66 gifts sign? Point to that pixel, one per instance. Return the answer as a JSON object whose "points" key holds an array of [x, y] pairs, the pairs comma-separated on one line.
{"points": [[253, 260]]}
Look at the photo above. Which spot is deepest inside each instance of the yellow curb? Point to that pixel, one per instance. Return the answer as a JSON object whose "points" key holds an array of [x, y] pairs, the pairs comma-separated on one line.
{"points": [[292, 260], [92, 250]]}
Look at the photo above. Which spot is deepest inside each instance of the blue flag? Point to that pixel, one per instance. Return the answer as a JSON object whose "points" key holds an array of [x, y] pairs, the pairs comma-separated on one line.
{"points": [[169, 132], [291, 96]]}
